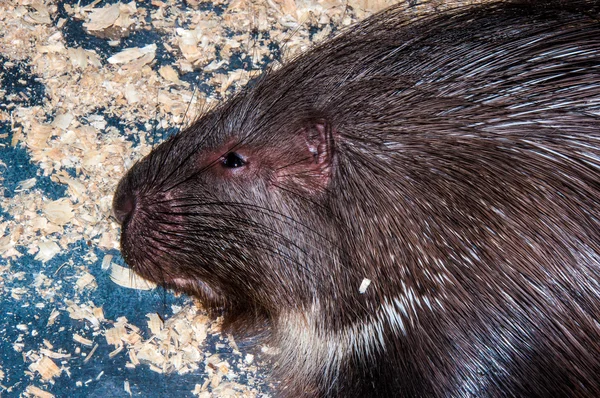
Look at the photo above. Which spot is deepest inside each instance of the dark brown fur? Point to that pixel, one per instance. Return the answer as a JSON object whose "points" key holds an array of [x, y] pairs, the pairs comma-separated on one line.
{"points": [[453, 161]]}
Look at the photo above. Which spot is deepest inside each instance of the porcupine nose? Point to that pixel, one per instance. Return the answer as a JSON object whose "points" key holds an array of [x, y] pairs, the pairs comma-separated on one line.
{"points": [[123, 203]]}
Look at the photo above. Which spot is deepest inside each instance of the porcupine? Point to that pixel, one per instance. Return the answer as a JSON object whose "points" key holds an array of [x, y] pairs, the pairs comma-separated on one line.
{"points": [[453, 162]]}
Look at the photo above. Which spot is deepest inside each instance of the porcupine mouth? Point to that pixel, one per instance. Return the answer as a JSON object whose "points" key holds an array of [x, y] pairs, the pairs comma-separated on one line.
{"points": [[149, 250]]}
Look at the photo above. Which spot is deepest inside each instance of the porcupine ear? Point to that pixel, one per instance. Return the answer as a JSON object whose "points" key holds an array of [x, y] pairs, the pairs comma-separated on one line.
{"points": [[311, 172], [319, 144]]}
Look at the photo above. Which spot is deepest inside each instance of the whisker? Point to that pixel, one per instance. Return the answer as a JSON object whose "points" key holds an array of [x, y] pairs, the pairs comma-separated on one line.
{"points": [[260, 229], [260, 209], [246, 243], [293, 163], [303, 197]]}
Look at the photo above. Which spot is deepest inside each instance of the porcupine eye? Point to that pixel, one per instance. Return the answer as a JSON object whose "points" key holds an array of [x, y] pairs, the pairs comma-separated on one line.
{"points": [[233, 160]]}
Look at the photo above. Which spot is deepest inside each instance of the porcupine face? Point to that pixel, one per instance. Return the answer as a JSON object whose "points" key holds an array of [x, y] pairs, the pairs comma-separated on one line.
{"points": [[224, 210]]}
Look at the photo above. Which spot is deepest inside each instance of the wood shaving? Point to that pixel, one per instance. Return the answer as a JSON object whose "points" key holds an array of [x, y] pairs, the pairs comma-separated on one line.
{"points": [[52, 318], [82, 340], [47, 250], [85, 312], [91, 353], [102, 18], [45, 367], [52, 354], [86, 281], [38, 392], [59, 212], [175, 345], [131, 54], [125, 277], [364, 285]]}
